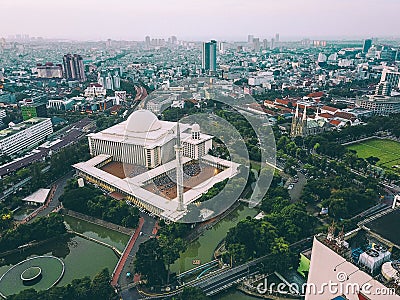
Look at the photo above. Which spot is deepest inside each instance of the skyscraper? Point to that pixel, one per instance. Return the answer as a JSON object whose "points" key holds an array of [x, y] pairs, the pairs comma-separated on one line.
{"points": [[147, 41], [272, 45], [367, 45], [256, 44], [221, 47], [277, 38], [209, 56], [73, 68], [265, 44]]}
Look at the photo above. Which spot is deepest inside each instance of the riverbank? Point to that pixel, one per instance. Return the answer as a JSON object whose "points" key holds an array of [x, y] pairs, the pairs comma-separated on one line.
{"points": [[30, 245]]}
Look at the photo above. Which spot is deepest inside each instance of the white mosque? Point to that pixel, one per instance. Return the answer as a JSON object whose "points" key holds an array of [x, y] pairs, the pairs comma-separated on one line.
{"points": [[142, 159]]}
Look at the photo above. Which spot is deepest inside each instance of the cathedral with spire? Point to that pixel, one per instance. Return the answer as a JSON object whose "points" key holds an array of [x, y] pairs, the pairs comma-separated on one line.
{"points": [[302, 125]]}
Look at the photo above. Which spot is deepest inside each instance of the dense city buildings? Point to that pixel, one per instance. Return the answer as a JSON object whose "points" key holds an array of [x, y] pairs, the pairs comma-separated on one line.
{"points": [[211, 164]]}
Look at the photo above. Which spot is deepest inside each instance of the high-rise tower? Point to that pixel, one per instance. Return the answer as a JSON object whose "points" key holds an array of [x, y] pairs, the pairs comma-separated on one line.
{"points": [[73, 68], [367, 45], [209, 56], [179, 168]]}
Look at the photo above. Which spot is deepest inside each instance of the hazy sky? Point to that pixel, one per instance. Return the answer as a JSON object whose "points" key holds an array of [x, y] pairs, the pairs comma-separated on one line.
{"points": [[199, 19]]}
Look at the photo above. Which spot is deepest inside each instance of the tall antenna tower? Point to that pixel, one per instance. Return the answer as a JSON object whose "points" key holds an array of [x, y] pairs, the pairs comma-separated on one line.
{"points": [[179, 168]]}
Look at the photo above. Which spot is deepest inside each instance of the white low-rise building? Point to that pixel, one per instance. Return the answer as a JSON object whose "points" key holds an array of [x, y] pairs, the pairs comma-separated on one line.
{"points": [[95, 90], [25, 135]]}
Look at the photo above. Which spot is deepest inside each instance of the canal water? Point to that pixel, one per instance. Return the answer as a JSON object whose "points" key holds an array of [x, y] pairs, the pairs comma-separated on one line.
{"points": [[81, 257], [111, 237], [203, 248], [86, 258]]}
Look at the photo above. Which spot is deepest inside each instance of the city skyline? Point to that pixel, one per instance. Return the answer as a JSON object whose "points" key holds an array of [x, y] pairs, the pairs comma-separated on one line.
{"points": [[98, 20]]}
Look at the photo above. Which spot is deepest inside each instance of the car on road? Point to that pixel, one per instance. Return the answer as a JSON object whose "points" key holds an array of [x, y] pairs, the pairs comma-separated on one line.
{"points": [[291, 186]]}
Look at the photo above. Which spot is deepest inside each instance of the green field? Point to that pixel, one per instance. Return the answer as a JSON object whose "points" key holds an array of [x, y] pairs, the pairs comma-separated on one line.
{"points": [[387, 151]]}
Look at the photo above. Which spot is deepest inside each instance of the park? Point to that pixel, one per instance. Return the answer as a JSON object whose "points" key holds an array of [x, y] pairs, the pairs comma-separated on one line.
{"points": [[388, 151]]}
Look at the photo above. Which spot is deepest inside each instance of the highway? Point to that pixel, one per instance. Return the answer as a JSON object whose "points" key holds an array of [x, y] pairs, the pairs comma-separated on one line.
{"points": [[226, 279], [141, 93]]}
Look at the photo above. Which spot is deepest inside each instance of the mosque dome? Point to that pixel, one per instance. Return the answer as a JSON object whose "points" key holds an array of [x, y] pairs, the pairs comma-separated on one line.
{"points": [[142, 121]]}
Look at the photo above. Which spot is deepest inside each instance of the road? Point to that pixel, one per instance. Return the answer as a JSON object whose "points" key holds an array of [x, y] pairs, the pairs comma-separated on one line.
{"points": [[141, 93], [132, 294], [55, 201], [295, 192]]}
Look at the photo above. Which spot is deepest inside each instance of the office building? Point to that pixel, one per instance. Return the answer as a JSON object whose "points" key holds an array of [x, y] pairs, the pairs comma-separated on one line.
{"points": [[272, 45], [95, 90], [109, 79], [391, 77], [380, 105], [221, 47], [33, 110], [73, 68], [49, 71], [277, 38], [256, 44], [265, 44], [250, 38], [387, 53], [209, 57], [383, 89], [25, 135], [367, 45], [2, 116]]}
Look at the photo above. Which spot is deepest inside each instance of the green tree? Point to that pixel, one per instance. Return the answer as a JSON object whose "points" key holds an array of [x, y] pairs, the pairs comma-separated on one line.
{"points": [[149, 262]]}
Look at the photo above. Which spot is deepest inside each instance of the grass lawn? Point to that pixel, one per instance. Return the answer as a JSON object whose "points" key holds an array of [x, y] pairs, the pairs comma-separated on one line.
{"points": [[387, 151]]}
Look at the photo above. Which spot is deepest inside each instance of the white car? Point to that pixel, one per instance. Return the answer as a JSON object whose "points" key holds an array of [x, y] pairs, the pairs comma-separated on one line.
{"points": [[291, 186]]}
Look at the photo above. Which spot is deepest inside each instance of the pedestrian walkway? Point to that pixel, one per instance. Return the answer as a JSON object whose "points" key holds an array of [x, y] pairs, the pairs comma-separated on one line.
{"points": [[97, 221], [125, 254]]}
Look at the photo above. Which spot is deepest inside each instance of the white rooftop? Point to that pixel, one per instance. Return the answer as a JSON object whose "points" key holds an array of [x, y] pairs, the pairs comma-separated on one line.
{"points": [[134, 186], [39, 196]]}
